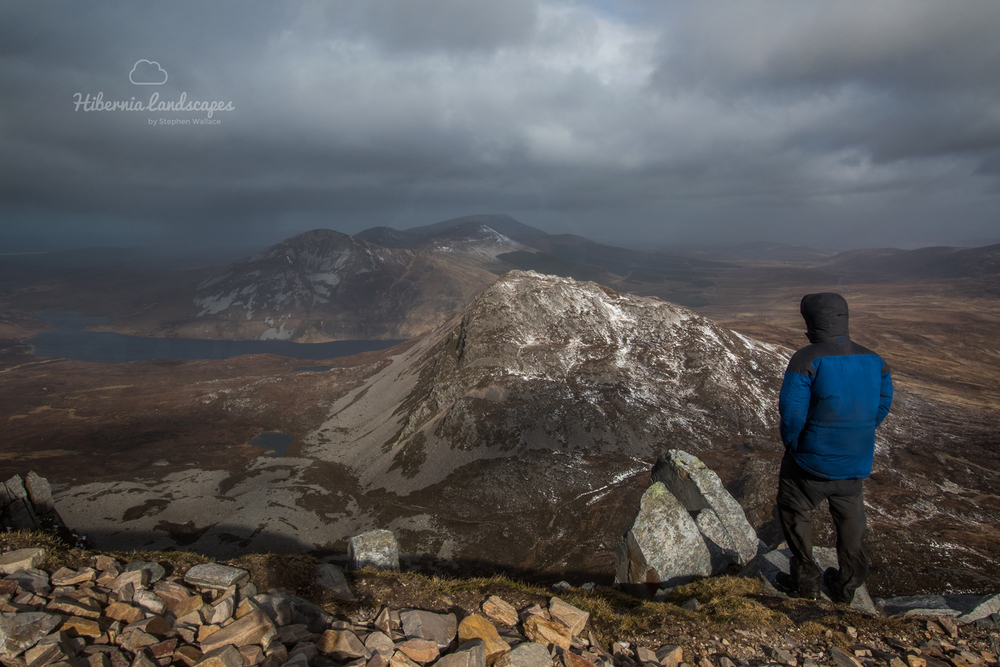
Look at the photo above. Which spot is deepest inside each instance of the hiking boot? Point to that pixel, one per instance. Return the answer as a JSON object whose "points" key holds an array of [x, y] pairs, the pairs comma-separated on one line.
{"points": [[786, 583], [831, 579]]}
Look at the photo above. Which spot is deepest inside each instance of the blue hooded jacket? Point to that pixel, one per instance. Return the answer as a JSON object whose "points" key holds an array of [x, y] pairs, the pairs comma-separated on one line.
{"points": [[834, 395]]}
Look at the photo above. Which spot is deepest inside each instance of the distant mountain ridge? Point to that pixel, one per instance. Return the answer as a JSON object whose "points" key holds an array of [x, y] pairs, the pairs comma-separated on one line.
{"points": [[384, 283], [387, 283], [937, 262], [567, 247]]}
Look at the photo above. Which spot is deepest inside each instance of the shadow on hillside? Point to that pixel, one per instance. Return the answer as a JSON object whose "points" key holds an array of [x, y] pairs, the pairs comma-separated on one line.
{"points": [[224, 543]]}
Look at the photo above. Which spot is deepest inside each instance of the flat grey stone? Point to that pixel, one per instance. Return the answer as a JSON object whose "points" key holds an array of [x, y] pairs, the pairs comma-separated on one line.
{"points": [[438, 628], [528, 654], [376, 548], [963, 608], [21, 559], [379, 642], [285, 609], [470, 654], [22, 631], [331, 577], [214, 575], [155, 570], [662, 548], [31, 579]]}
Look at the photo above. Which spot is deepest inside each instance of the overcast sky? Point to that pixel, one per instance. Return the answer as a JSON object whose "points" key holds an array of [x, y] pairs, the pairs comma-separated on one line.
{"points": [[832, 124]]}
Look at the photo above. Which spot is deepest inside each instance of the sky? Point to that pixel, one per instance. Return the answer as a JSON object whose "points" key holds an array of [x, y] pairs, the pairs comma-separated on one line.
{"points": [[837, 125]]}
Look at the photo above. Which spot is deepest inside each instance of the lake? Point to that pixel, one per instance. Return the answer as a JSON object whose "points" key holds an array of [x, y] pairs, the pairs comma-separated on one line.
{"points": [[67, 339], [275, 444]]}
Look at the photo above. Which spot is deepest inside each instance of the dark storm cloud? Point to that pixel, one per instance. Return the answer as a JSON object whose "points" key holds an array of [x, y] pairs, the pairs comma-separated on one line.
{"points": [[922, 78], [841, 123]]}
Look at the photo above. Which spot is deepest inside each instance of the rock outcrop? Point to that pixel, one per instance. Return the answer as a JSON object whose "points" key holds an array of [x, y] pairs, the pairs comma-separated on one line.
{"points": [[26, 504], [664, 546], [730, 537], [687, 526]]}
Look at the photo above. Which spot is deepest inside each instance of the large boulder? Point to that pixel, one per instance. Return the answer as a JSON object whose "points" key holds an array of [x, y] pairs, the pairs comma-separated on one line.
{"points": [[662, 548], [16, 510], [731, 539]]}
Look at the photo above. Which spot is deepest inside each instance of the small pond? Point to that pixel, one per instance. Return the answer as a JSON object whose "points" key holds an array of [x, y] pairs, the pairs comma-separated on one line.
{"points": [[275, 444]]}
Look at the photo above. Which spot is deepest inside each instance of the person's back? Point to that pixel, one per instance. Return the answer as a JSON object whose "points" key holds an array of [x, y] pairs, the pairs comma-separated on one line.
{"points": [[834, 395]]}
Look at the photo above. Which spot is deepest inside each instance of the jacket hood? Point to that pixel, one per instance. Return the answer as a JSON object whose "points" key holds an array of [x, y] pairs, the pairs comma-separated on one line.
{"points": [[825, 315]]}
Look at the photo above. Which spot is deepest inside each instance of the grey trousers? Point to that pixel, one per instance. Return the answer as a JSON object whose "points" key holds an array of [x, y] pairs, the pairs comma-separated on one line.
{"points": [[799, 492]]}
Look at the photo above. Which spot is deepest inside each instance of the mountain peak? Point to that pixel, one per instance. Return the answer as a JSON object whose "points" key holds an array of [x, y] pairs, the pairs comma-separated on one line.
{"points": [[619, 374]]}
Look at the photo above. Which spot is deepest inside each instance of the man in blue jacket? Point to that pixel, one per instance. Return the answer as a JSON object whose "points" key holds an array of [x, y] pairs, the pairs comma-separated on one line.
{"points": [[834, 395]]}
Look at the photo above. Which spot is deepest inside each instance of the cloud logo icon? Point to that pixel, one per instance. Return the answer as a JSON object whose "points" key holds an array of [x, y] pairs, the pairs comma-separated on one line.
{"points": [[147, 73]]}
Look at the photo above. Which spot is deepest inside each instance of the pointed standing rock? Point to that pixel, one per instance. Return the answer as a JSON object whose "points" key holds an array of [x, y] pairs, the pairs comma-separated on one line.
{"points": [[699, 488], [662, 548], [39, 492], [331, 577]]}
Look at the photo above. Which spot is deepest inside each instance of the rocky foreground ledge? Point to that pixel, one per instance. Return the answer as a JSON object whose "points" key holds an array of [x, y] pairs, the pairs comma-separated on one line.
{"points": [[74, 608]]}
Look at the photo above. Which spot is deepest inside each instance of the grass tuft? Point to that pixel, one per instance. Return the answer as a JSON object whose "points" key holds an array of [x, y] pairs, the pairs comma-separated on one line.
{"points": [[713, 588], [744, 612]]}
